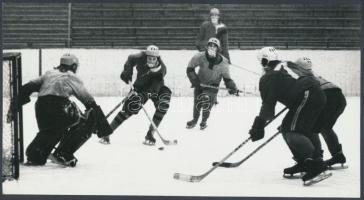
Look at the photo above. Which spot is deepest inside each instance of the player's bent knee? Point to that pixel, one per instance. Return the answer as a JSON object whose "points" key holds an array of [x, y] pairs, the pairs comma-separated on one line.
{"points": [[300, 143]]}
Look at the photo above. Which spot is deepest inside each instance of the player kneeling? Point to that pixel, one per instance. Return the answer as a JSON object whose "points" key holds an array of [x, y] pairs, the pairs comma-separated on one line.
{"points": [[59, 119]]}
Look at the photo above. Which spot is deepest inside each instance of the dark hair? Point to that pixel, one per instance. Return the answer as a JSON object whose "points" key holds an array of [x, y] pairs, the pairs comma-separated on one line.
{"points": [[64, 68]]}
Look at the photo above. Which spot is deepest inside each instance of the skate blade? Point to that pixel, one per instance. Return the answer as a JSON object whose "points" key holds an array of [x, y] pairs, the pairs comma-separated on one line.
{"points": [[190, 127], [148, 143], [203, 128], [54, 160], [104, 142], [293, 176], [338, 167], [317, 179]]}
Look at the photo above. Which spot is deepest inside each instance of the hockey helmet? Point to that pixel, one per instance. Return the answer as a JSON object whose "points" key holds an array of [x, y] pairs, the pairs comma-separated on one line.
{"points": [[269, 53], [152, 50], [69, 59], [304, 62], [214, 41]]}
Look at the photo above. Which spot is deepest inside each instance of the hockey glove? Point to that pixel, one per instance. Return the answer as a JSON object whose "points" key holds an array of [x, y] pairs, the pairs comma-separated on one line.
{"points": [[257, 130], [234, 91], [126, 77]]}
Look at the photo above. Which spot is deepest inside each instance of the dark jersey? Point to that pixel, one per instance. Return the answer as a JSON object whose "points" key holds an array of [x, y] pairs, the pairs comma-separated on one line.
{"points": [[146, 80], [278, 85]]}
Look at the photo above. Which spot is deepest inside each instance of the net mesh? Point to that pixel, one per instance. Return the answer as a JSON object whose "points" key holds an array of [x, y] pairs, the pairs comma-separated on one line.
{"points": [[8, 131]]}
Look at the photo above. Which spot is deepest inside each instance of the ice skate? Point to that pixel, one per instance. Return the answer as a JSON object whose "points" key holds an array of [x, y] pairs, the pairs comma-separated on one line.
{"points": [[336, 159], [149, 139], [296, 171], [315, 172], [61, 160], [191, 124], [203, 125], [105, 140]]}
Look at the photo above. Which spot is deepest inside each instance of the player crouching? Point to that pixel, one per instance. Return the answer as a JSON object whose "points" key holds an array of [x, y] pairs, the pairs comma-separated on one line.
{"points": [[59, 119], [305, 101]]}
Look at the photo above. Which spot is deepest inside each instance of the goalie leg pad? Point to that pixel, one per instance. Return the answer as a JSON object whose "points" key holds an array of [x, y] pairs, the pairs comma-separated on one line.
{"points": [[42, 145], [103, 127], [77, 135]]}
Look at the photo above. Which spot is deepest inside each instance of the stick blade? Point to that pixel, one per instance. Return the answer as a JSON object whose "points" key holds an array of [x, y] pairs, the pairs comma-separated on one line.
{"points": [[187, 178], [224, 164], [170, 142]]}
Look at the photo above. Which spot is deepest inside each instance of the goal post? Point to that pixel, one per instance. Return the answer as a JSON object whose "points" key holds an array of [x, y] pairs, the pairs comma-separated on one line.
{"points": [[12, 133]]}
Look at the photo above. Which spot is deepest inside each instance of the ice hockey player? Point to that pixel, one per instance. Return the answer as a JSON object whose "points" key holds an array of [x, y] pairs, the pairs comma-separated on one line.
{"points": [[335, 106], [304, 99], [59, 119], [149, 84], [212, 68], [214, 28]]}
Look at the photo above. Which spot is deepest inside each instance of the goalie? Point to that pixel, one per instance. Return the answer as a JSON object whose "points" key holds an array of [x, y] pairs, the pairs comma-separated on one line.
{"points": [[59, 119]]}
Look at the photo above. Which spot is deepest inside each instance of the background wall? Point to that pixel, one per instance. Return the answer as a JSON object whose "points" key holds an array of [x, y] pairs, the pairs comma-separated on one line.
{"points": [[100, 68], [174, 26]]}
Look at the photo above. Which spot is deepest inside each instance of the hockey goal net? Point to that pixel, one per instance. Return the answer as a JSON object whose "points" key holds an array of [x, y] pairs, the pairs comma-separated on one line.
{"points": [[12, 137]]}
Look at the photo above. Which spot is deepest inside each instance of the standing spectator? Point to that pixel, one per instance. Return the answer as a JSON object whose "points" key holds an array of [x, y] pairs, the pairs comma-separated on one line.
{"points": [[213, 28]]}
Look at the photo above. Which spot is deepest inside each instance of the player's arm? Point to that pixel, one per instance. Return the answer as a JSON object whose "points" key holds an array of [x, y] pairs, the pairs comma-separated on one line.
{"points": [[102, 127], [24, 96], [127, 74], [27, 89], [267, 90], [229, 83], [191, 73], [267, 86], [80, 92]]}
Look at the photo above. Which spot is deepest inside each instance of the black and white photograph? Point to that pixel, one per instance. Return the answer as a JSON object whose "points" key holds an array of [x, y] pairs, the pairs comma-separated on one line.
{"points": [[181, 99]]}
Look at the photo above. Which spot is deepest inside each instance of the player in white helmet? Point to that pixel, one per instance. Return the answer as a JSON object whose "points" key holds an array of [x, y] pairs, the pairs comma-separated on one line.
{"points": [[59, 119], [304, 99], [149, 84], [212, 69], [214, 28]]}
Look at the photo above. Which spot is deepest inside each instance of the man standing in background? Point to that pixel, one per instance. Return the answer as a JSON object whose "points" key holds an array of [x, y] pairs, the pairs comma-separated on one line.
{"points": [[213, 28]]}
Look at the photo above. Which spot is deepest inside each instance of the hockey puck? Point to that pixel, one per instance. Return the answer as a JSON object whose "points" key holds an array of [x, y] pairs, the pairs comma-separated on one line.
{"points": [[161, 148]]}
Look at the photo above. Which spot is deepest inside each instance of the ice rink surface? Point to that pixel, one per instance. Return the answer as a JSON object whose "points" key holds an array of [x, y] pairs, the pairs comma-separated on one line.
{"points": [[127, 167]]}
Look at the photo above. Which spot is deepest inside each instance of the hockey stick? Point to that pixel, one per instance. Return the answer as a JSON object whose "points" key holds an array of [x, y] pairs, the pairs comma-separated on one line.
{"points": [[236, 164], [226, 164], [119, 104], [198, 178], [239, 67], [222, 88], [166, 142], [116, 107]]}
